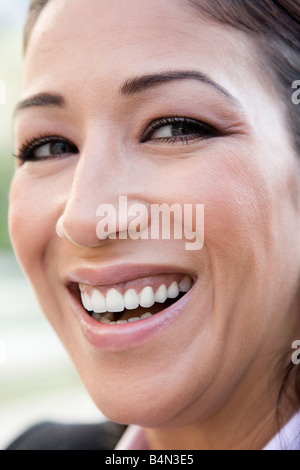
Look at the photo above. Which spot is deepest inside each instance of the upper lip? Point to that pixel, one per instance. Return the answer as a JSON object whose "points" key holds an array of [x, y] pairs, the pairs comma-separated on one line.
{"points": [[118, 273]]}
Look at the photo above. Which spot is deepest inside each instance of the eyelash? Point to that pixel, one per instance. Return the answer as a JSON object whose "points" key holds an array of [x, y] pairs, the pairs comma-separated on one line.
{"points": [[26, 151], [205, 130]]}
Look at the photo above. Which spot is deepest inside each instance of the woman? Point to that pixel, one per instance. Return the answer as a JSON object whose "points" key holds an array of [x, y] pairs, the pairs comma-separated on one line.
{"points": [[186, 103]]}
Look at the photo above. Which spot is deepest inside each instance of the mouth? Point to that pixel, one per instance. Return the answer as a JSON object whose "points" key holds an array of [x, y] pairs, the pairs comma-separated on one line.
{"points": [[132, 301]]}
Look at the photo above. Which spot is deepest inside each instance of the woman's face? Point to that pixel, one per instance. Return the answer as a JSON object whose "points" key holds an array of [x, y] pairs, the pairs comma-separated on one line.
{"points": [[104, 115]]}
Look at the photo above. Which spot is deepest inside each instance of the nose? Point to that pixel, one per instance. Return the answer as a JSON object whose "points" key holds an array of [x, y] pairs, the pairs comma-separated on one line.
{"points": [[78, 223], [101, 190]]}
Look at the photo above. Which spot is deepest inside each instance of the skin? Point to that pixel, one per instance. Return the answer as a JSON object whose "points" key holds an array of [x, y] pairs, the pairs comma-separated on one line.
{"points": [[211, 379]]}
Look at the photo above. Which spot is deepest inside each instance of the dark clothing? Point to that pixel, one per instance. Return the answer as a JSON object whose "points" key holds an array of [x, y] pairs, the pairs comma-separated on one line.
{"points": [[53, 436]]}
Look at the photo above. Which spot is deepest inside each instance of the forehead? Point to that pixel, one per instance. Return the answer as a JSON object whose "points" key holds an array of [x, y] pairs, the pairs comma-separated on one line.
{"points": [[75, 41]]}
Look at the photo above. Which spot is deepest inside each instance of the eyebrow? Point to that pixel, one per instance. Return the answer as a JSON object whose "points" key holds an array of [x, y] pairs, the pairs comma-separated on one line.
{"points": [[41, 100], [139, 84], [130, 87]]}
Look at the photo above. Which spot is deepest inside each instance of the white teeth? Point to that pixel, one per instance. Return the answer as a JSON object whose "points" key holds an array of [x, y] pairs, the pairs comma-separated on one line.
{"points": [[86, 301], [132, 320], [114, 301], [173, 290], [98, 302], [185, 284], [131, 299], [106, 320], [147, 297], [146, 315], [161, 294]]}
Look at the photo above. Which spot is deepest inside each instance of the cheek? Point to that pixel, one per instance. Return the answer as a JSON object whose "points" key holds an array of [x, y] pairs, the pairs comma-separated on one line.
{"points": [[32, 220], [237, 203], [237, 215]]}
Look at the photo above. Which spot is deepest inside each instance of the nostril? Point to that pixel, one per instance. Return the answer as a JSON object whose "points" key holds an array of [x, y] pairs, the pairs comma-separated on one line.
{"points": [[80, 231]]}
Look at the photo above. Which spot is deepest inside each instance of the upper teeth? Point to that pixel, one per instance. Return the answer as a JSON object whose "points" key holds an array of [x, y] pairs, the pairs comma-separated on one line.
{"points": [[115, 302]]}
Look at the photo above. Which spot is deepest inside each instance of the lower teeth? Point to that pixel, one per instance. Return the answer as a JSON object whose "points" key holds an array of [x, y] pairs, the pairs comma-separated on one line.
{"points": [[102, 319]]}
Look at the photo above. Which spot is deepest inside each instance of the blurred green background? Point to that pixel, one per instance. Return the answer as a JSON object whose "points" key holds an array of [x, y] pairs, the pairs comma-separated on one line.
{"points": [[38, 381], [10, 71]]}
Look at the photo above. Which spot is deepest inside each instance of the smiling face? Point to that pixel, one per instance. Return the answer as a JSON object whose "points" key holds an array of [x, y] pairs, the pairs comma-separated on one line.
{"points": [[112, 94]]}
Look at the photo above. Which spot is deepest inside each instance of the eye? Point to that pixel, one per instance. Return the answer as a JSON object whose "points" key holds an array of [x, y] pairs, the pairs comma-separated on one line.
{"points": [[52, 149], [173, 129], [46, 148]]}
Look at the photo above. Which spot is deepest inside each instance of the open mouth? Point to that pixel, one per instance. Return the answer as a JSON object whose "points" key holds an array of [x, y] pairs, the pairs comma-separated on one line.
{"points": [[132, 301]]}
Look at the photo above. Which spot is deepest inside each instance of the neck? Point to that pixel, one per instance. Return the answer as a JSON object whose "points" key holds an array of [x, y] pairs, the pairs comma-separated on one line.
{"points": [[248, 423], [210, 436]]}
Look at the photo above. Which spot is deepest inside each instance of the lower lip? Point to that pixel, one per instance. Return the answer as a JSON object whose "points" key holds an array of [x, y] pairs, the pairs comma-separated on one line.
{"points": [[130, 335]]}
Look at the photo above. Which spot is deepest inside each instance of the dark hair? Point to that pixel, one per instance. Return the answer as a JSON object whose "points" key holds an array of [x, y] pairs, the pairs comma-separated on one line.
{"points": [[274, 26], [35, 8]]}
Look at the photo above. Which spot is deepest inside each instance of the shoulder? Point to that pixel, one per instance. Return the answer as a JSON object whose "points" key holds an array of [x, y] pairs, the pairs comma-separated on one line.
{"points": [[54, 436]]}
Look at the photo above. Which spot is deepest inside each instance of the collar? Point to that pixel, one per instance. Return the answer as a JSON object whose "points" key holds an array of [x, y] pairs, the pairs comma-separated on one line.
{"points": [[288, 438]]}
